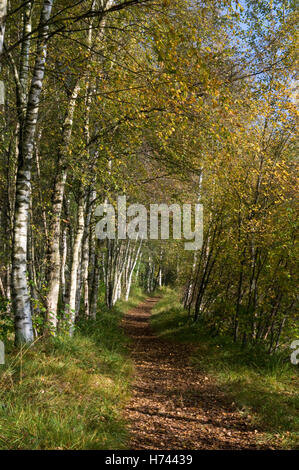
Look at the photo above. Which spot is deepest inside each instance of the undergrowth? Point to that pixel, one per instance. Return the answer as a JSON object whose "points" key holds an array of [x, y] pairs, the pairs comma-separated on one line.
{"points": [[263, 387], [68, 393]]}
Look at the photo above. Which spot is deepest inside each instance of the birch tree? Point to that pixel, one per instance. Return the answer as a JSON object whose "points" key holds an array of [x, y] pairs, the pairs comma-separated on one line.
{"points": [[20, 290]]}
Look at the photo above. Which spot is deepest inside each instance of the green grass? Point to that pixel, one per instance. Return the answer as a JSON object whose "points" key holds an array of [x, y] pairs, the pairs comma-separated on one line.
{"points": [[264, 387], [69, 393]]}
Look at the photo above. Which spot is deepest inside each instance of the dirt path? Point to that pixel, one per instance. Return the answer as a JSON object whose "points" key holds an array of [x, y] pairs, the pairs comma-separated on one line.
{"points": [[174, 406]]}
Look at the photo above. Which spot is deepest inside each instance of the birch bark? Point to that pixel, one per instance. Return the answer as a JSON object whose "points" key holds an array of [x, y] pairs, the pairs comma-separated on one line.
{"points": [[132, 266], [55, 224], [75, 263], [20, 291]]}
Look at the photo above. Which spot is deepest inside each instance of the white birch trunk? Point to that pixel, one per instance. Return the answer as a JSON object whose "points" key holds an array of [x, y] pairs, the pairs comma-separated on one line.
{"points": [[3, 12], [85, 252], [54, 253], [119, 266], [94, 289], [25, 53], [75, 264], [131, 270], [63, 262], [160, 278], [2, 291], [55, 225], [20, 290], [138, 267]]}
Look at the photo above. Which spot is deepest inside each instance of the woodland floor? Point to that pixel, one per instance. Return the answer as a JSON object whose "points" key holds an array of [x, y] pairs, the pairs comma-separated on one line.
{"points": [[174, 406]]}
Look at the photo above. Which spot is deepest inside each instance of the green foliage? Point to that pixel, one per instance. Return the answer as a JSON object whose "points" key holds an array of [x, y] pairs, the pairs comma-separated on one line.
{"points": [[167, 97]]}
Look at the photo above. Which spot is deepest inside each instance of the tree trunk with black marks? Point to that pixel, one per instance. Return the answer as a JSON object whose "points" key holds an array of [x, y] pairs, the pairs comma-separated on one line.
{"points": [[20, 291]]}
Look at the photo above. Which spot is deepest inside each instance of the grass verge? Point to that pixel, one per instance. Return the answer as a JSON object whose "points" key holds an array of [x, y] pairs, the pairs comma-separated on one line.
{"points": [[69, 393], [263, 387]]}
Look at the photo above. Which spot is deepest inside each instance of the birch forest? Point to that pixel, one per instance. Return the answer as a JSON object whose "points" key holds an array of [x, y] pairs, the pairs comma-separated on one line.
{"points": [[135, 342]]}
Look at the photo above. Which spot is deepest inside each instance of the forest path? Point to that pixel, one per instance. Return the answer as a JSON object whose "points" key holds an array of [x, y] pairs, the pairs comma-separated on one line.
{"points": [[174, 406]]}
